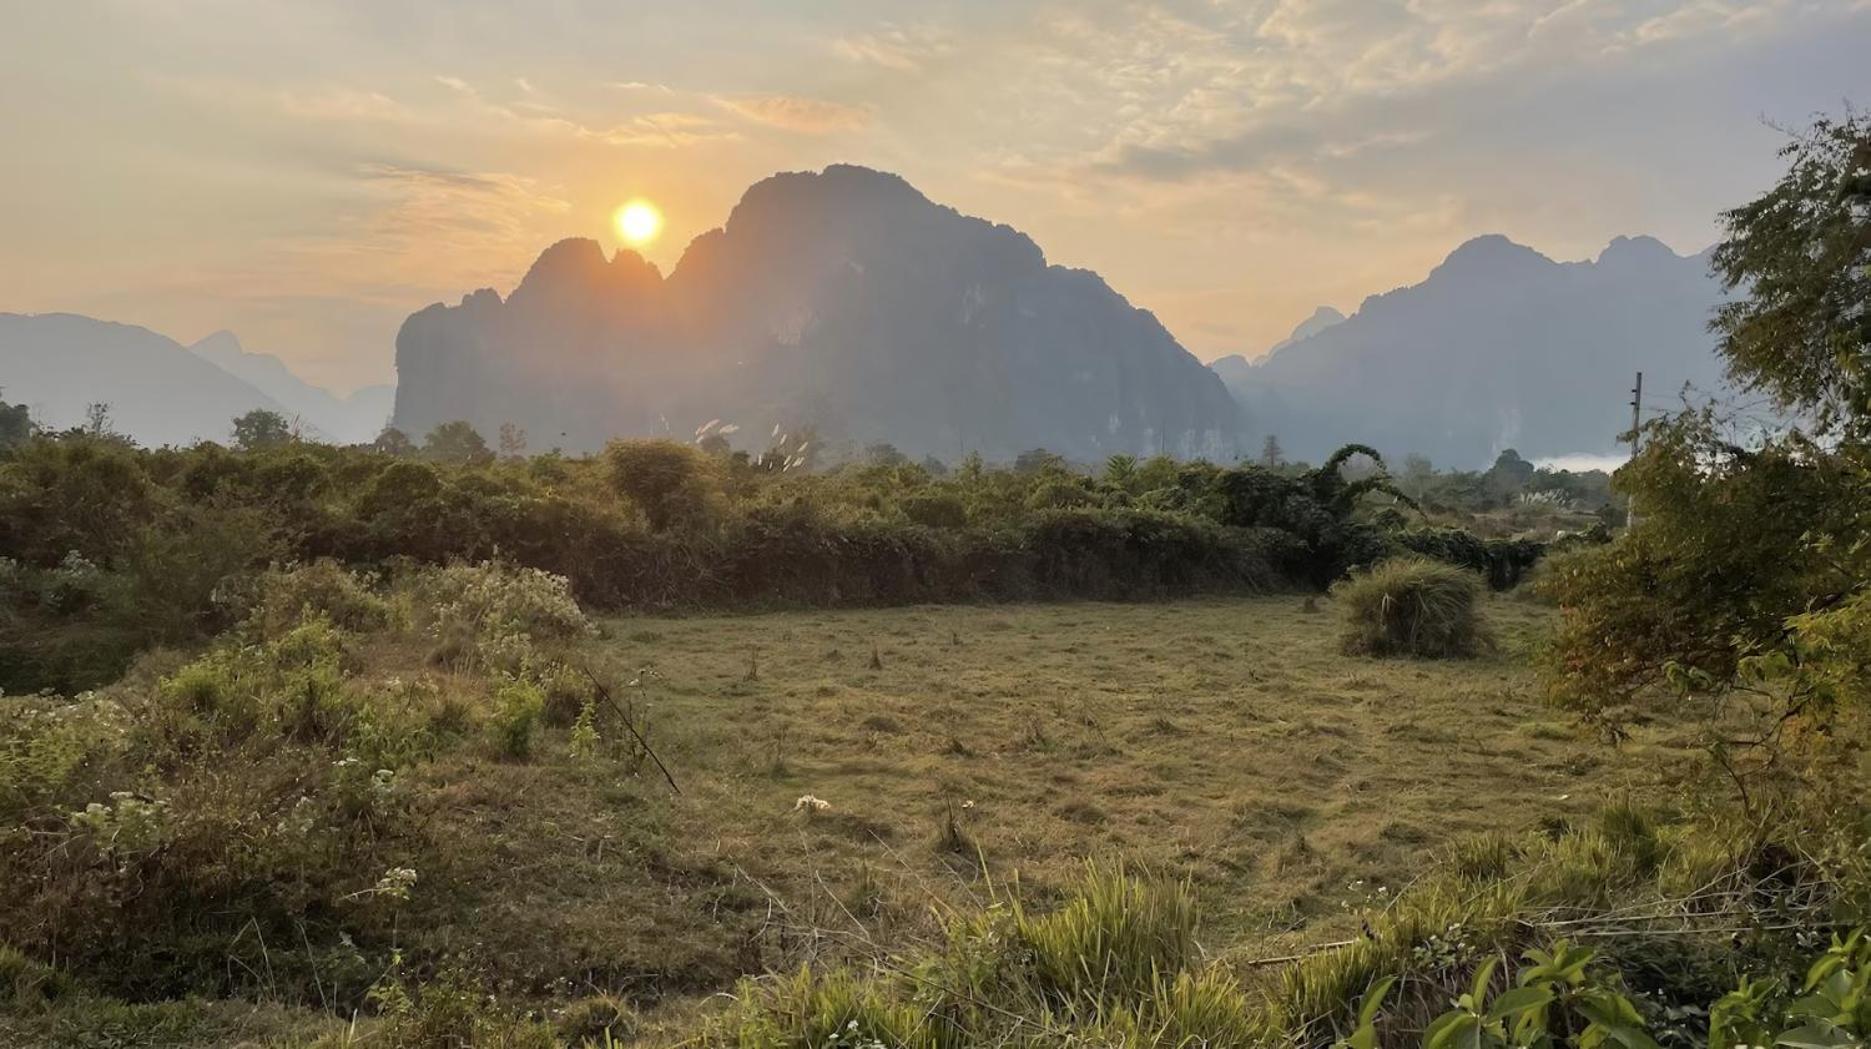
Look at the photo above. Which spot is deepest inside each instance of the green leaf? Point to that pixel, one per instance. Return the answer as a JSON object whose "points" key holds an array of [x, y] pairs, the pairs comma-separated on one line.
{"points": [[1454, 1030], [1374, 1001], [1518, 1000], [1816, 1036], [1483, 977]]}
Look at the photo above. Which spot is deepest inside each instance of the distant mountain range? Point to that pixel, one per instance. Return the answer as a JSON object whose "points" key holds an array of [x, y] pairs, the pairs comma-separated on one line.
{"points": [[352, 419], [1499, 347], [843, 301], [159, 392], [846, 303]]}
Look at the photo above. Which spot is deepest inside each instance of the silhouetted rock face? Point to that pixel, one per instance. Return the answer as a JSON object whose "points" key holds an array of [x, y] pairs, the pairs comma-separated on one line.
{"points": [[1499, 347], [843, 300]]}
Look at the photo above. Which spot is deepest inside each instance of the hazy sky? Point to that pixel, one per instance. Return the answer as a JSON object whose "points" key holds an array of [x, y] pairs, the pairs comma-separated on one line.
{"points": [[307, 173]]}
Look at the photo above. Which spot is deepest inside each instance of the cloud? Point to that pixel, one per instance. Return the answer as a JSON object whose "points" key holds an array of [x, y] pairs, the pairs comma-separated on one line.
{"points": [[534, 114], [438, 226], [904, 49], [339, 103], [810, 116]]}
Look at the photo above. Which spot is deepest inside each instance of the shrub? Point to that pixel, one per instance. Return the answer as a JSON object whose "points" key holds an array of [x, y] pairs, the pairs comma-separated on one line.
{"points": [[281, 598], [490, 614], [1505, 562], [1412, 606], [937, 509], [518, 706], [668, 482]]}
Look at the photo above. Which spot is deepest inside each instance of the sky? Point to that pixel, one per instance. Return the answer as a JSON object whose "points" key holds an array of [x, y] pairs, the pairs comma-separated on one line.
{"points": [[307, 174]]}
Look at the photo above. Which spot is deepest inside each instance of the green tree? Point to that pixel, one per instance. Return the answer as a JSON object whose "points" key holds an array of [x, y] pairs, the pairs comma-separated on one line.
{"points": [[1744, 555], [884, 453], [457, 443], [261, 428], [393, 441], [1801, 253], [512, 441], [1272, 456], [1120, 472], [669, 483], [97, 420], [15, 424], [1038, 460]]}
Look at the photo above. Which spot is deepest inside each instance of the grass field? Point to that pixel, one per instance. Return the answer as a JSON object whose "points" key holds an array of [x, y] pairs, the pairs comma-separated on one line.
{"points": [[964, 753], [1226, 741]]}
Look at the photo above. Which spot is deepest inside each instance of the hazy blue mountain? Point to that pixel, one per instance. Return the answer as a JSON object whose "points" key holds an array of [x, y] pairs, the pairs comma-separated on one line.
{"points": [[1235, 367], [843, 300], [158, 392], [355, 419], [1498, 347]]}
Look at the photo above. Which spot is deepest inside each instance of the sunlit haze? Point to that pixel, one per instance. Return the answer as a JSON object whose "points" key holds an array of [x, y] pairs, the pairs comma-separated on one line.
{"points": [[638, 223], [307, 175]]}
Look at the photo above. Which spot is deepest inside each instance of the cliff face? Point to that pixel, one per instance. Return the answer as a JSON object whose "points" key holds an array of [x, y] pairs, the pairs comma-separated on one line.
{"points": [[842, 300], [1499, 347]]}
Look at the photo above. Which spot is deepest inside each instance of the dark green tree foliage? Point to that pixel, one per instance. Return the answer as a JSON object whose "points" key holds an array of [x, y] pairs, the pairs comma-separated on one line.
{"points": [[646, 525], [1801, 256], [1503, 562], [666, 481], [393, 441], [456, 443], [1317, 507], [261, 429], [1741, 548], [1732, 542], [15, 424]]}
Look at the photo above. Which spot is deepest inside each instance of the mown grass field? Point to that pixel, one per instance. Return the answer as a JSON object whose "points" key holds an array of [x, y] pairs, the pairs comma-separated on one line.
{"points": [[966, 754], [1226, 741]]}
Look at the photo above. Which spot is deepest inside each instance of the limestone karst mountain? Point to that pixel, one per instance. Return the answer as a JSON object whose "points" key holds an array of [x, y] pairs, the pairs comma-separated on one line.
{"points": [[1498, 347], [841, 300]]}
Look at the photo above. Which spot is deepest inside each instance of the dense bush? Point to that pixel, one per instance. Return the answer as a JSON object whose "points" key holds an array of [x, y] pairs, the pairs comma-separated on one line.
{"points": [[1732, 543], [240, 823], [1503, 562], [114, 549], [1411, 606]]}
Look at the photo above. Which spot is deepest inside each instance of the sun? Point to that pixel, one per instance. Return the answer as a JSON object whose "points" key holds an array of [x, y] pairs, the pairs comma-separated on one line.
{"points": [[638, 222]]}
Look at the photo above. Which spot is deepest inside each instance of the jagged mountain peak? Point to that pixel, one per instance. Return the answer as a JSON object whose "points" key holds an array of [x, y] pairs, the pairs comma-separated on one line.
{"points": [[1491, 254], [1641, 250], [842, 299], [576, 265], [222, 341]]}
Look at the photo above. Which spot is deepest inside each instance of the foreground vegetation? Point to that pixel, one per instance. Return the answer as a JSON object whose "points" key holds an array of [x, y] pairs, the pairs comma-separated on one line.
{"points": [[367, 783]]}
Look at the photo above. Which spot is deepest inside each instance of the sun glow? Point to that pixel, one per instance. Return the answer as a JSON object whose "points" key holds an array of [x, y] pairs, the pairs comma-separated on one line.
{"points": [[638, 222]]}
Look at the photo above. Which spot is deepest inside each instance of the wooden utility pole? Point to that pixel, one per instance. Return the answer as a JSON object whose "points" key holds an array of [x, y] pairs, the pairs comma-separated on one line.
{"points": [[1637, 422]]}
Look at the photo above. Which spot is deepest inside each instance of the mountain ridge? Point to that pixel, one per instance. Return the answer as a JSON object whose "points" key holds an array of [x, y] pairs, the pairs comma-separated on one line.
{"points": [[1498, 346], [58, 363], [843, 301]]}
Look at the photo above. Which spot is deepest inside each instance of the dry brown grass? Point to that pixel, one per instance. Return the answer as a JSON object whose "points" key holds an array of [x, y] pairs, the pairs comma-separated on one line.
{"points": [[1227, 740]]}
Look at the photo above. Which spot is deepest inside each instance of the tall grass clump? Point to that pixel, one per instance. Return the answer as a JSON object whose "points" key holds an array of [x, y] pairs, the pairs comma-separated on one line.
{"points": [[1114, 939], [1411, 606]]}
